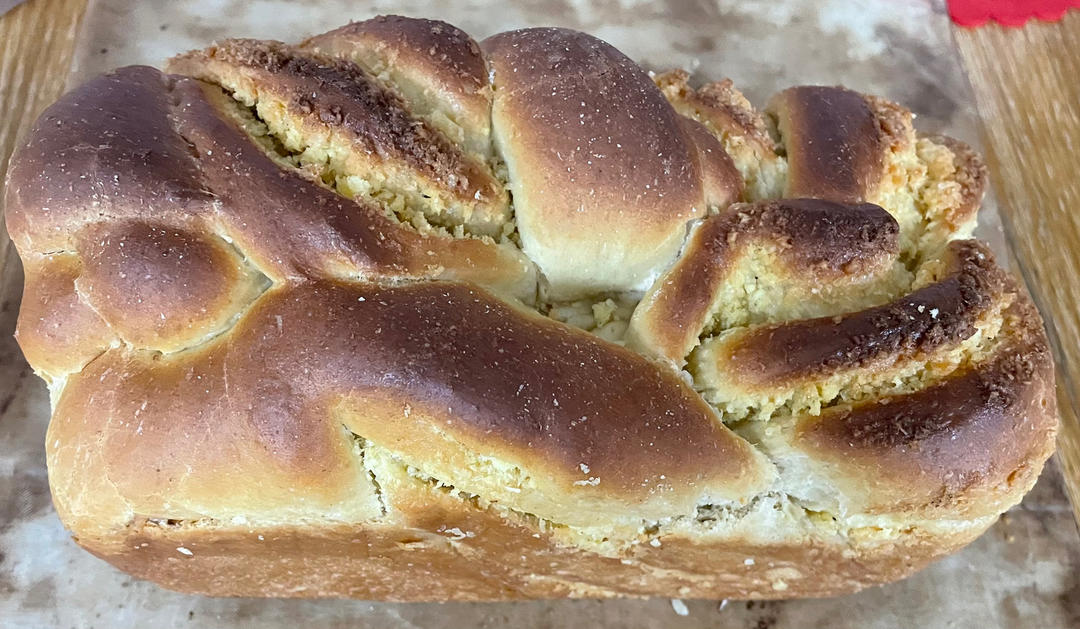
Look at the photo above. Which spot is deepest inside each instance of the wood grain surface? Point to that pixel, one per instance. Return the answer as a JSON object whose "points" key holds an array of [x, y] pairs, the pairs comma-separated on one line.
{"points": [[36, 43], [1027, 87]]}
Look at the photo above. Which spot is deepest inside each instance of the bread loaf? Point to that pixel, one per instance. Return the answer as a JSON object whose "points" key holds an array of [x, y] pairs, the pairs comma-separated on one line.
{"points": [[398, 315]]}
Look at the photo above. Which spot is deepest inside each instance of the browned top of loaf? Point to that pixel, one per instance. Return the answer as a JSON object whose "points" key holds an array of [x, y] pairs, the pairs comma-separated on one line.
{"points": [[605, 174], [107, 150], [241, 333], [296, 226], [921, 321], [339, 93], [834, 144], [587, 115], [435, 66], [392, 365], [433, 47], [958, 447], [177, 161], [815, 240]]}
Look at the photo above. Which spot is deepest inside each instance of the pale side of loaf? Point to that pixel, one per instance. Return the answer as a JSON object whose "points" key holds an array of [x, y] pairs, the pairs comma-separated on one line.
{"points": [[396, 315]]}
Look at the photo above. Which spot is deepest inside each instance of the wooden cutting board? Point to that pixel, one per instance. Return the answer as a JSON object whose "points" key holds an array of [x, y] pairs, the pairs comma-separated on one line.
{"points": [[1022, 573], [1027, 86]]}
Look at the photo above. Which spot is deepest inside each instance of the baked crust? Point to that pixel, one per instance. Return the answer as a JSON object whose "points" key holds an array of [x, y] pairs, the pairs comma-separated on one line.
{"points": [[573, 119], [422, 57], [294, 326], [833, 141], [810, 243], [438, 547]]}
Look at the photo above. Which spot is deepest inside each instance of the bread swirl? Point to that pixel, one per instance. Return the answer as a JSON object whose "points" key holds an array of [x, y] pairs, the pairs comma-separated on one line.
{"points": [[398, 315]]}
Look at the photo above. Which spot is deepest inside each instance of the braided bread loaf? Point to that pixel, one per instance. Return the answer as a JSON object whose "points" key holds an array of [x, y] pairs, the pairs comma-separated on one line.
{"points": [[391, 314]]}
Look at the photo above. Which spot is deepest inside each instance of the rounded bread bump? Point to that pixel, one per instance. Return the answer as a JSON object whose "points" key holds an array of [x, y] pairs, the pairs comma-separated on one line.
{"points": [[57, 329], [162, 288], [605, 174]]}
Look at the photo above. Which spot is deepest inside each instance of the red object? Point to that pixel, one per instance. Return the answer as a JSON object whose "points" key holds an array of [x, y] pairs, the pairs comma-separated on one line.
{"points": [[1007, 12]]}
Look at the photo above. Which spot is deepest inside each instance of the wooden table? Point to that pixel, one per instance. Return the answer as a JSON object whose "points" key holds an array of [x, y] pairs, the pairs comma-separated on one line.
{"points": [[1026, 84], [36, 43]]}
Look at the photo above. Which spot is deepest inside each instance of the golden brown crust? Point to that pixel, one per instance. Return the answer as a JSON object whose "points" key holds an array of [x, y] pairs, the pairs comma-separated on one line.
{"points": [[721, 180], [219, 180], [962, 446], [741, 129], [423, 59], [439, 548], [57, 330], [107, 150], [920, 322], [296, 228], [135, 434], [431, 46], [349, 101], [588, 427], [815, 241], [720, 106], [846, 146], [603, 175], [160, 287], [833, 140], [283, 319]]}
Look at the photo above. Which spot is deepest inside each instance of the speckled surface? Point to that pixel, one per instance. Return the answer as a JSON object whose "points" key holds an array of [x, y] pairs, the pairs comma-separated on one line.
{"points": [[1025, 572], [7, 5]]}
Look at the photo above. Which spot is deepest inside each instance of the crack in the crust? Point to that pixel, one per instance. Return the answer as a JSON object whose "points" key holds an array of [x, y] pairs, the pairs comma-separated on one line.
{"points": [[608, 542], [264, 283], [56, 392], [705, 516], [496, 162], [502, 175], [57, 252], [231, 323], [361, 446], [772, 127], [321, 169]]}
